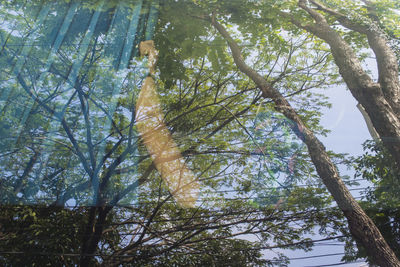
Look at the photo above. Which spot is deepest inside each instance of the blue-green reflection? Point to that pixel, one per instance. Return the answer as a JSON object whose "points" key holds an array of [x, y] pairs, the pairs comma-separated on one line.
{"points": [[67, 91]]}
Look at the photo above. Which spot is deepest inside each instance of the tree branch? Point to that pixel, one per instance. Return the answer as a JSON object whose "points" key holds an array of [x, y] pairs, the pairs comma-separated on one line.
{"points": [[370, 236], [385, 56]]}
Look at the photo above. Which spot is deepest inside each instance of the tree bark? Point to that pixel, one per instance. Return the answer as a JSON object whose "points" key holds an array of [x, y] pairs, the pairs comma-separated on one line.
{"points": [[361, 226], [93, 234], [380, 99]]}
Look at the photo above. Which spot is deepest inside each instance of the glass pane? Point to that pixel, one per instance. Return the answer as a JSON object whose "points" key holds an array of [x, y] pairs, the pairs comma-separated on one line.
{"points": [[68, 69]]}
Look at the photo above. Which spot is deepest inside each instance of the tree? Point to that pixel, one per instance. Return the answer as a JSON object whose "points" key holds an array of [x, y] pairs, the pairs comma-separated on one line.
{"points": [[71, 136], [381, 201], [211, 110], [379, 100]]}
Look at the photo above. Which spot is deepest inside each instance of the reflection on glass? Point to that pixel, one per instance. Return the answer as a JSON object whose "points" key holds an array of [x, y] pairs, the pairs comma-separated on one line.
{"points": [[158, 140], [69, 73]]}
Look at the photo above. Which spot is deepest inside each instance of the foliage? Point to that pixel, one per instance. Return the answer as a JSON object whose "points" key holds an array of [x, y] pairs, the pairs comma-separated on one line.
{"points": [[256, 176], [44, 235], [381, 200]]}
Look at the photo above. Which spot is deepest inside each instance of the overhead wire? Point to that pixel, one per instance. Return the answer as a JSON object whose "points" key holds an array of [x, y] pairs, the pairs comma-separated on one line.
{"points": [[336, 264]]}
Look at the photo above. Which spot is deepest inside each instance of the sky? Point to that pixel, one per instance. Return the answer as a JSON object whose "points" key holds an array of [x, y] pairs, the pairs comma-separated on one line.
{"points": [[348, 132]]}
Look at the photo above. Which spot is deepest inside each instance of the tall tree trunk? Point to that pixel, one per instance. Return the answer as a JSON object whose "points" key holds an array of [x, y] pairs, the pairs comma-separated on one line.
{"points": [[361, 226], [381, 99]]}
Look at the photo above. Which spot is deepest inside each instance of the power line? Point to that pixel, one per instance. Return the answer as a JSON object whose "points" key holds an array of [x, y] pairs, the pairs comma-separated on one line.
{"points": [[315, 256], [134, 255], [336, 264]]}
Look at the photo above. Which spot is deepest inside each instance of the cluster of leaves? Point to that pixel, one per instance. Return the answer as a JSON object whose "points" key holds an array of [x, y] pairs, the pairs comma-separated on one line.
{"points": [[381, 200], [45, 235]]}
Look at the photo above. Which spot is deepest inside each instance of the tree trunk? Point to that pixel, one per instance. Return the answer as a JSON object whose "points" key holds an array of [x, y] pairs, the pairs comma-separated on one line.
{"points": [[93, 234], [381, 99], [361, 226]]}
